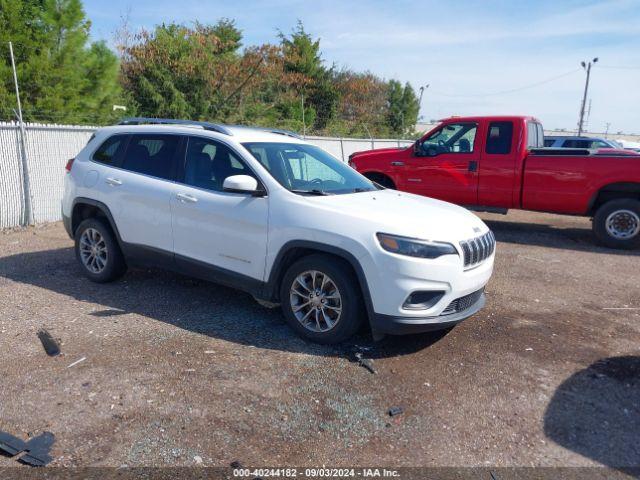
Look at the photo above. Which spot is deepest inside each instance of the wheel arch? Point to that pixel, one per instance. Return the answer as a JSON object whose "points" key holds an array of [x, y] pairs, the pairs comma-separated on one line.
{"points": [[613, 191], [376, 176], [296, 249], [84, 208]]}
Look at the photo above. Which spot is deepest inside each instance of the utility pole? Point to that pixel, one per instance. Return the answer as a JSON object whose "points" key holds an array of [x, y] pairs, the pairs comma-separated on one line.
{"points": [[28, 211], [587, 67], [606, 132]]}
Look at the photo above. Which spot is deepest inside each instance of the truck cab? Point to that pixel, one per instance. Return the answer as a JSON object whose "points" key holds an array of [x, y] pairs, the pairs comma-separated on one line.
{"points": [[470, 161], [495, 163]]}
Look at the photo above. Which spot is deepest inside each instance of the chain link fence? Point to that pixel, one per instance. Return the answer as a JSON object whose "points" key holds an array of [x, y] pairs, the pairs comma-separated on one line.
{"points": [[49, 147]]}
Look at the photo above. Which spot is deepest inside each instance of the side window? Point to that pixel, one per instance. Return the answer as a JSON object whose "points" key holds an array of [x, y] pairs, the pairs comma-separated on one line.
{"points": [[535, 135], [151, 155], [208, 163], [499, 137], [540, 135], [548, 142], [452, 138], [110, 150], [578, 144]]}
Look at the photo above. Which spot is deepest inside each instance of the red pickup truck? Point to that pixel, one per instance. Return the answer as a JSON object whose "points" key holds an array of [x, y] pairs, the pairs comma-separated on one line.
{"points": [[496, 163]]}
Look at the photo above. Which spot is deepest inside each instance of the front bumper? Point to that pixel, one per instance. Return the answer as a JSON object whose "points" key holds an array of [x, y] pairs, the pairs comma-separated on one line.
{"points": [[400, 325]]}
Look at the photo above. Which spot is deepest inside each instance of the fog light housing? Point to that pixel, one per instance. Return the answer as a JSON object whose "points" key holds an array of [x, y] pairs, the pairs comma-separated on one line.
{"points": [[423, 299]]}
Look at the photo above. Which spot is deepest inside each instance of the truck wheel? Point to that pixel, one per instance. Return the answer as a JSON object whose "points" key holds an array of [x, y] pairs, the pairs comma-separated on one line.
{"points": [[616, 224], [321, 300], [98, 251]]}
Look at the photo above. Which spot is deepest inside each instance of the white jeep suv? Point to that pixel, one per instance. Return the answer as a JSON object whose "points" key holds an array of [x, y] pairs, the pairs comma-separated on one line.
{"points": [[268, 213]]}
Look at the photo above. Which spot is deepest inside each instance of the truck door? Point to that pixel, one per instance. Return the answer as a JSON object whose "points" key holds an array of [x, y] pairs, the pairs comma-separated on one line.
{"points": [[445, 164], [498, 165]]}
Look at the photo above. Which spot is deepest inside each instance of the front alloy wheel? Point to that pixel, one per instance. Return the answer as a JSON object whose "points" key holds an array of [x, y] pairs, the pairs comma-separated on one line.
{"points": [[321, 299], [315, 301]]}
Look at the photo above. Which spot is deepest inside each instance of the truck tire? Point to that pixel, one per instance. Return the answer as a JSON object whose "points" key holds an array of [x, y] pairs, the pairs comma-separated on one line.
{"points": [[616, 223], [321, 299], [98, 251]]}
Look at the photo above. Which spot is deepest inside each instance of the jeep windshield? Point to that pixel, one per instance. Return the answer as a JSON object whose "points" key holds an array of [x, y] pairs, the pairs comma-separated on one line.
{"points": [[306, 169]]}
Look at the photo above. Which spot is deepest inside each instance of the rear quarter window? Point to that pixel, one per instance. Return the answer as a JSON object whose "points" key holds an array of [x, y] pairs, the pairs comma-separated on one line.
{"points": [[152, 154], [499, 138], [109, 152]]}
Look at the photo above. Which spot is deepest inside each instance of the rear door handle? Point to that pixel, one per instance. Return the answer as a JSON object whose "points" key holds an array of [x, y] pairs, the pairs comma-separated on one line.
{"points": [[183, 197], [473, 166], [397, 164], [114, 182]]}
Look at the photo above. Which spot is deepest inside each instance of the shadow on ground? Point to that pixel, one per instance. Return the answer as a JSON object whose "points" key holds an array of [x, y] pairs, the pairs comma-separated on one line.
{"points": [[194, 305], [596, 413], [551, 236]]}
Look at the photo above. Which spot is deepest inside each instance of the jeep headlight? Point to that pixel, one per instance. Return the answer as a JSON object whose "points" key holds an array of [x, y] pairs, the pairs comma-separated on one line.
{"points": [[414, 247]]}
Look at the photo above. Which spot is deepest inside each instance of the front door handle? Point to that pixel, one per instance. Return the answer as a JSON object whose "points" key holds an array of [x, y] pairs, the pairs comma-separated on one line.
{"points": [[473, 166], [114, 182], [397, 164], [183, 197]]}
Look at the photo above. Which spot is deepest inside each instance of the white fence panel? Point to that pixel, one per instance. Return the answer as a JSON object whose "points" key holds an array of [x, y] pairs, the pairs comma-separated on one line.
{"points": [[11, 194], [49, 147], [331, 145]]}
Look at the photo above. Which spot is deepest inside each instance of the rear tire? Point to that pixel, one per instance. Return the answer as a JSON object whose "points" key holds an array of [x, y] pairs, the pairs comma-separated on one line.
{"points": [[321, 300], [98, 252], [616, 223]]}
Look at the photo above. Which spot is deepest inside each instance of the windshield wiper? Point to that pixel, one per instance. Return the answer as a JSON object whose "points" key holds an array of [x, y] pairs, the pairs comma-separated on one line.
{"points": [[360, 189], [314, 191]]}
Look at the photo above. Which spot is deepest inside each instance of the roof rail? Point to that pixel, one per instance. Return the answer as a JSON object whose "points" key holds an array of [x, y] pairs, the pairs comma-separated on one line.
{"points": [[172, 121], [288, 133], [277, 131]]}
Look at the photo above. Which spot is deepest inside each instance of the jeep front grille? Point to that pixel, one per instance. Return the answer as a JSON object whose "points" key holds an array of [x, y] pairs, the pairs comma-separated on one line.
{"points": [[463, 303], [478, 249]]}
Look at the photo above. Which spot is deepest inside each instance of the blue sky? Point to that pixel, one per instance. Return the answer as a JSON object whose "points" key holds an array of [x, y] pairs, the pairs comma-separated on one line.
{"points": [[468, 52]]}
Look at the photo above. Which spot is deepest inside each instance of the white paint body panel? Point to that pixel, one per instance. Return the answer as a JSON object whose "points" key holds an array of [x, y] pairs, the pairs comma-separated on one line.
{"points": [[244, 234]]}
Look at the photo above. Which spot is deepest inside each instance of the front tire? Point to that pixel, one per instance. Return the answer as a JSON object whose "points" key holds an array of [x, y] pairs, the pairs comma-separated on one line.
{"points": [[320, 299], [616, 224], [98, 251]]}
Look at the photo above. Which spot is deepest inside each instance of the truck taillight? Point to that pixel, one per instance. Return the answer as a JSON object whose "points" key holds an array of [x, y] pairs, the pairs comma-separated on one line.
{"points": [[69, 165]]}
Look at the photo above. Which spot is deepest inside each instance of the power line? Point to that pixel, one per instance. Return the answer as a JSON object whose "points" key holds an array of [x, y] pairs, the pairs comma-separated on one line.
{"points": [[513, 90], [621, 67]]}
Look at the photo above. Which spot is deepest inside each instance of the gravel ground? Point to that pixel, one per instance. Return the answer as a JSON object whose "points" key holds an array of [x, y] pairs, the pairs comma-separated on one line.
{"points": [[178, 371]]}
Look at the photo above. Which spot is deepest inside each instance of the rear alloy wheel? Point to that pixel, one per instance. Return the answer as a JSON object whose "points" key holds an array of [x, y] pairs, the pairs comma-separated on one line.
{"points": [[616, 224], [321, 300], [98, 251]]}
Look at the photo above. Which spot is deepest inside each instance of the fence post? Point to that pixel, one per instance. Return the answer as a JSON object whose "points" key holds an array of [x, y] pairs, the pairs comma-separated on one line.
{"points": [[341, 149], [28, 211]]}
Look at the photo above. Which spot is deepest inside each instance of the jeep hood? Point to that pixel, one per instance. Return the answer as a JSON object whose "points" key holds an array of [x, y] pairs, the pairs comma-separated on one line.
{"points": [[401, 213]]}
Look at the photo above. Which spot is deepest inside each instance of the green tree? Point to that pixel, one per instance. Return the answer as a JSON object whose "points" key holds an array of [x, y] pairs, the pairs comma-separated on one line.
{"points": [[402, 105], [303, 60], [63, 78]]}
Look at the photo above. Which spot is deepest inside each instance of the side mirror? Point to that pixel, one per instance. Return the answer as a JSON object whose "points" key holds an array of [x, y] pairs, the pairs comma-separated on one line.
{"points": [[242, 184], [417, 149]]}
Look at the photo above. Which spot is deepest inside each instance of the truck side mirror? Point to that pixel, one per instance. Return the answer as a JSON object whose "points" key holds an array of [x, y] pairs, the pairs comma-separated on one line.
{"points": [[417, 149]]}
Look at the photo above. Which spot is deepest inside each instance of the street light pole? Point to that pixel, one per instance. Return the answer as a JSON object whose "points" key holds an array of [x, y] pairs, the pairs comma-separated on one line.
{"points": [[422, 89], [587, 67]]}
